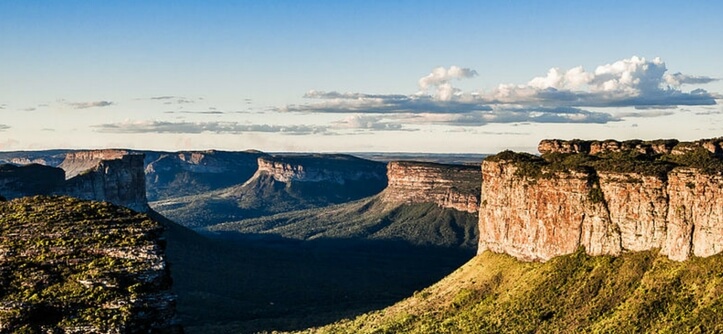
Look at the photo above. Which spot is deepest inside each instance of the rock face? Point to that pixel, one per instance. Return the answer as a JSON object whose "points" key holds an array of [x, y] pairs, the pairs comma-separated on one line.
{"points": [[320, 168], [71, 266], [108, 175], [178, 174], [76, 163], [449, 186], [120, 180], [667, 198]]}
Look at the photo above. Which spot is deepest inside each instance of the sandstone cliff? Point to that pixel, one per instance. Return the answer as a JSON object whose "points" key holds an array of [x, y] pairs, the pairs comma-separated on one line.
{"points": [[115, 176], [107, 175], [603, 198], [71, 266], [449, 186]]}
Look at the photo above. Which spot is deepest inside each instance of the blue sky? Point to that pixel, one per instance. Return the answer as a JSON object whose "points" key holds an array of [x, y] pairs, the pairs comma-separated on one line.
{"points": [[425, 76]]}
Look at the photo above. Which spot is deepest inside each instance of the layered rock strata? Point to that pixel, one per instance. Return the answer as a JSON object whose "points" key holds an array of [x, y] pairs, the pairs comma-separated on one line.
{"points": [[120, 181], [449, 186], [535, 209], [319, 168]]}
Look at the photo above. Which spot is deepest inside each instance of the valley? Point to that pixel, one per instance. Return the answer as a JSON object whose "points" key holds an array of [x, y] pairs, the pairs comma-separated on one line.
{"points": [[587, 236]]}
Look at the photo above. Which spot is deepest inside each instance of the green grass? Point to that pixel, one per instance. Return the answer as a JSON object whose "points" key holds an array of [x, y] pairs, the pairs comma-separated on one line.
{"points": [[634, 293]]}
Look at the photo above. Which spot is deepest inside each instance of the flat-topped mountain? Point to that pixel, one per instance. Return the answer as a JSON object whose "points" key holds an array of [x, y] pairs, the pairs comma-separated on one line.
{"points": [[424, 204], [281, 184], [449, 186], [75, 266], [627, 196], [115, 176], [176, 174]]}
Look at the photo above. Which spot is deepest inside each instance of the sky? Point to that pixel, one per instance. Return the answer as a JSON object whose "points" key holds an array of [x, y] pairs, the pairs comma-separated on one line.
{"points": [[356, 76]]}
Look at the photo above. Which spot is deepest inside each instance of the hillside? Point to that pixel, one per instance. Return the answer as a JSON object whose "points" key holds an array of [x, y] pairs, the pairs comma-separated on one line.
{"points": [[280, 184], [266, 284], [424, 204], [638, 292], [77, 266], [424, 224], [177, 174]]}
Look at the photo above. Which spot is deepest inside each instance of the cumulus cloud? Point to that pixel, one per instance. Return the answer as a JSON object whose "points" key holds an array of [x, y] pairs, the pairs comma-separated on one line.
{"points": [[440, 80], [85, 105], [633, 82], [206, 127], [560, 96]]}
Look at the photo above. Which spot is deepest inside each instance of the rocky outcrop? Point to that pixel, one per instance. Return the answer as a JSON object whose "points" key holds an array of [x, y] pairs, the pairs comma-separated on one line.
{"points": [[596, 147], [78, 162], [71, 266], [107, 175], [338, 168], [110, 176], [449, 186], [666, 198]]}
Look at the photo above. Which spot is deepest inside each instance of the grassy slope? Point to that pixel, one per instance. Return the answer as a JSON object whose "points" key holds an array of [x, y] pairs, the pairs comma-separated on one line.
{"points": [[369, 218], [243, 287], [492, 293]]}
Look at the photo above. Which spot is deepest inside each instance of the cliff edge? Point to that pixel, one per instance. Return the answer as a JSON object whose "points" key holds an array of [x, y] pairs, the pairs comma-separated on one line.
{"points": [[74, 266], [449, 186], [607, 197]]}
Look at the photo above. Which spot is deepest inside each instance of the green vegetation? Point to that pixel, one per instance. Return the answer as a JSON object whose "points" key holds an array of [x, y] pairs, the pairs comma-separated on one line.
{"points": [[627, 160], [67, 264], [424, 224], [634, 293]]}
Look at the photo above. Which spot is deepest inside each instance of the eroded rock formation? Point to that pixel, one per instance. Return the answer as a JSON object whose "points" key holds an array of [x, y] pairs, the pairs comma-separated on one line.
{"points": [[120, 180], [661, 197], [449, 186], [114, 176]]}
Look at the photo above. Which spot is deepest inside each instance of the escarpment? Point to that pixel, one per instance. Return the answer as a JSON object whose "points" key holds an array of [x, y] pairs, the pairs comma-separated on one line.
{"points": [[607, 197], [72, 266], [114, 176], [449, 186], [317, 180]]}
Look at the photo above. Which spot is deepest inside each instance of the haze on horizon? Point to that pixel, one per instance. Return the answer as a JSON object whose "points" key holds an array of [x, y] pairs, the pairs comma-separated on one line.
{"points": [[356, 76]]}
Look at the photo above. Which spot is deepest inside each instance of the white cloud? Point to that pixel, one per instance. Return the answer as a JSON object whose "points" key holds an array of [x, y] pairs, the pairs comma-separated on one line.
{"points": [[439, 79], [558, 97], [205, 127]]}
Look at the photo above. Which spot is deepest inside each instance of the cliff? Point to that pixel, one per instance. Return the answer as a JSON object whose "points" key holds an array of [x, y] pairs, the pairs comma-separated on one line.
{"points": [[176, 174], [107, 175], [605, 199], [449, 186], [281, 183], [73, 266]]}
